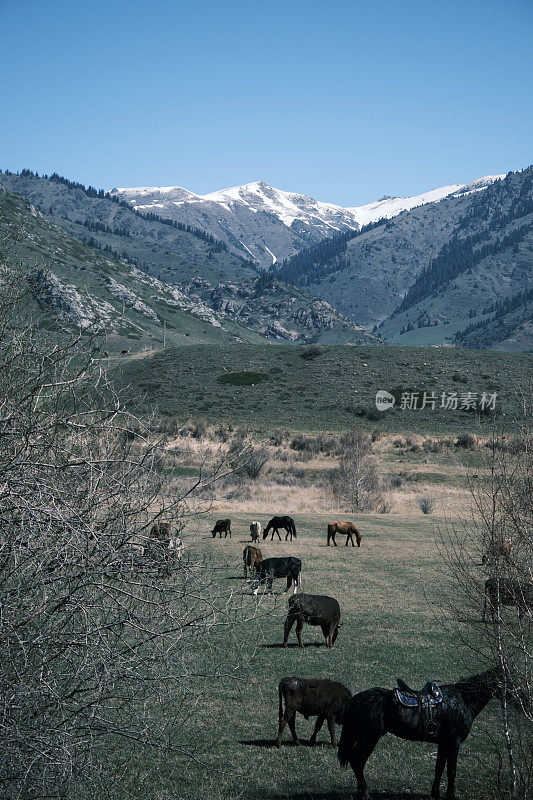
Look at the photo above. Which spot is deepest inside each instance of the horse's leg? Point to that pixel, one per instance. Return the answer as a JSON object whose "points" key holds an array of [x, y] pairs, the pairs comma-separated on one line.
{"points": [[289, 622], [439, 769], [289, 583], [279, 537], [292, 726], [299, 628], [319, 722], [331, 728], [360, 755], [451, 768], [281, 727]]}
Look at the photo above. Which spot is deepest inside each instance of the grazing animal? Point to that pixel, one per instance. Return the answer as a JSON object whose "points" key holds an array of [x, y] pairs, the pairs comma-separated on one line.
{"points": [[286, 523], [318, 698], [507, 592], [255, 530], [499, 548], [251, 557], [270, 568], [371, 714], [347, 529], [158, 540], [222, 526], [315, 609]]}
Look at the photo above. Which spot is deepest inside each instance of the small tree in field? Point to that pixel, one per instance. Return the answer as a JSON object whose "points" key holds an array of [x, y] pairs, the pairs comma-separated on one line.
{"points": [[356, 481], [97, 640], [495, 620]]}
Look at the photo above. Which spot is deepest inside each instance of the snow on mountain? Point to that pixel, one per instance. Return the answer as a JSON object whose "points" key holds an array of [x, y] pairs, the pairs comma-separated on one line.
{"points": [[389, 207], [267, 224]]}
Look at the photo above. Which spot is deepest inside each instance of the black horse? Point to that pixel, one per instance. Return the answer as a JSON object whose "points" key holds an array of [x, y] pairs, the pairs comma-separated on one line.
{"points": [[371, 714], [286, 523]]}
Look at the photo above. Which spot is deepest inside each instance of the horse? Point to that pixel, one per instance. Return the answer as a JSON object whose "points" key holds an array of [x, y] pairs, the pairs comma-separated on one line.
{"points": [[255, 530], [374, 712], [347, 529], [286, 523]]}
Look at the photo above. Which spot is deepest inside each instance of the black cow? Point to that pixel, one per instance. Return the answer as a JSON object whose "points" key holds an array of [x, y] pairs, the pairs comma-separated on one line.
{"points": [[319, 698], [315, 609], [508, 592], [222, 526], [270, 568], [286, 523]]}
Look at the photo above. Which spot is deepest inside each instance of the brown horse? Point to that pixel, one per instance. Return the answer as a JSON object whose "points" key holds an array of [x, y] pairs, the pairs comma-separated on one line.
{"points": [[347, 529]]}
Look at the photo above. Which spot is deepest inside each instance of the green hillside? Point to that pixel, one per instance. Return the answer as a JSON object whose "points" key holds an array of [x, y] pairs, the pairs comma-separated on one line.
{"points": [[332, 389], [85, 288]]}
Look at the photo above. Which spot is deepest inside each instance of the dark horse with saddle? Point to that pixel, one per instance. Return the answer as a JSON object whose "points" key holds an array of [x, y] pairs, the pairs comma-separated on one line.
{"points": [[283, 523], [441, 715]]}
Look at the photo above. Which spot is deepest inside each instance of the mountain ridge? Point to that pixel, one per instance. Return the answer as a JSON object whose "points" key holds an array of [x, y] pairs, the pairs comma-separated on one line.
{"points": [[285, 222]]}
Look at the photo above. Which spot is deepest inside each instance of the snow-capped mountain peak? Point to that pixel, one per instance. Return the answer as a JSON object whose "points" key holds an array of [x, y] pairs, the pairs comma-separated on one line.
{"points": [[267, 224]]}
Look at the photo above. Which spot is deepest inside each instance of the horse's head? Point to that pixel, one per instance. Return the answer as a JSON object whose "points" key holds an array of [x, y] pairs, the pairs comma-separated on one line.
{"points": [[509, 687], [336, 633]]}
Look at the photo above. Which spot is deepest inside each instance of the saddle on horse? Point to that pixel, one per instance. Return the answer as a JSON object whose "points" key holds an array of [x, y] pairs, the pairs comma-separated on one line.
{"points": [[426, 701]]}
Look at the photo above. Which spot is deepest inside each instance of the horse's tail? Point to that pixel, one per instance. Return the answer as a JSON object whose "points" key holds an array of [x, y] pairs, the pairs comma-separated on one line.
{"points": [[280, 695], [349, 733], [293, 526]]}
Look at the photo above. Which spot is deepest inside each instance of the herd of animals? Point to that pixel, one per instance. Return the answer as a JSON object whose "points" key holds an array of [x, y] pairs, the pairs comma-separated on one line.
{"points": [[442, 715]]}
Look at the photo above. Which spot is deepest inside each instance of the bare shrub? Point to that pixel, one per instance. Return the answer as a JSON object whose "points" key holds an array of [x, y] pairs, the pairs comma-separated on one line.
{"points": [[245, 459], [199, 429], [97, 642], [278, 437], [356, 481], [467, 441], [396, 481], [493, 627], [426, 503]]}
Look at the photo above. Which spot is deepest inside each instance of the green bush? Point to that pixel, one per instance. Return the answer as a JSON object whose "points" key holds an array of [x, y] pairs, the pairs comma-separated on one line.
{"points": [[312, 352], [243, 378]]}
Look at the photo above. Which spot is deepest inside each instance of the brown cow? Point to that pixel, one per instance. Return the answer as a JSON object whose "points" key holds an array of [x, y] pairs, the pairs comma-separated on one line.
{"points": [[499, 548], [251, 557], [319, 698], [158, 540], [347, 529]]}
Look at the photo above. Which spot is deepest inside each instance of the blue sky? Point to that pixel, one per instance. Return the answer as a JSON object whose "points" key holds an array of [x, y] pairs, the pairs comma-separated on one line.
{"points": [[345, 101]]}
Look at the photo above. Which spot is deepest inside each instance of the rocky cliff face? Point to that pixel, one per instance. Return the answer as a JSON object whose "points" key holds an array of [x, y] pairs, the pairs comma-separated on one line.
{"points": [[278, 311]]}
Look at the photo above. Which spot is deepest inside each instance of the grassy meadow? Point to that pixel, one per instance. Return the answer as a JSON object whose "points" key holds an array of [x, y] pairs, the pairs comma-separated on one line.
{"points": [[393, 596], [394, 591]]}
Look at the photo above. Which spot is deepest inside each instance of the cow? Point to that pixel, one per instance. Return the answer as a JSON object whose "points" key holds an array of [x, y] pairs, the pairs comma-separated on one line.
{"points": [[318, 697], [286, 523], [284, 567], [251, 557], [347, 529], [507, 592], [499, 548], [315, 609], [255, 530], [222, 526], [158, 540]]}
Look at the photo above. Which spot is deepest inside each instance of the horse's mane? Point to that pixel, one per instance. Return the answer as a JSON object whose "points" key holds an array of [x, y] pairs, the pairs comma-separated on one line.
{"points": [[473, 681]]}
